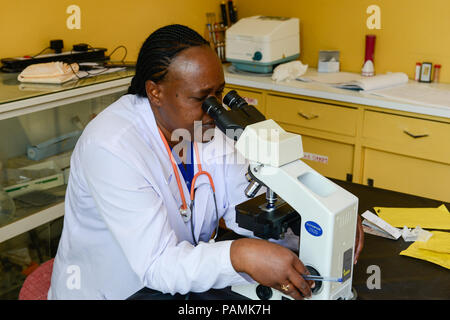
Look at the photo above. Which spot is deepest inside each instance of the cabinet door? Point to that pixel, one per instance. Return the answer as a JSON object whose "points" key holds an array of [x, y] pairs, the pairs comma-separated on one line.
{"points": [[406, 174], [313, 115], [253, 98], [329, 158], [419, 138]]}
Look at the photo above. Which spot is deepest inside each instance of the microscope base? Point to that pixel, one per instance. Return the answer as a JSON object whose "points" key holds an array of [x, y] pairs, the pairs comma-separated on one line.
{"points": [[260, 292]]}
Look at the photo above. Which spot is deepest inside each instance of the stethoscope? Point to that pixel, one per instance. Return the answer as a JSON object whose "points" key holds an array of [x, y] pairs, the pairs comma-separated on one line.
{"points": [[186, 213]]}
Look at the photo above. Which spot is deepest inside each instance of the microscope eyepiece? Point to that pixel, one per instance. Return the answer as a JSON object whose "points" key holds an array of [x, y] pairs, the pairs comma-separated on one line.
{"points": [[233, 100], [231, 121], [213, 107]]}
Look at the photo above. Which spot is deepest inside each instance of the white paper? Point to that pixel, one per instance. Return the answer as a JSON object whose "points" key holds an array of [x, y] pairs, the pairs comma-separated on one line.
{"points": [[417, 93], [376, 82], [369, 227], [396, 233], [354, 81], [331, 78]]}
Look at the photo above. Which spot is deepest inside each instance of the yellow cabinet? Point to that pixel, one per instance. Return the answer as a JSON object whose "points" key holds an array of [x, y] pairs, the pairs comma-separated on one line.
{"points": [[406, 174], [420, 138], [313, 115], [407, 154], [329, 158], [394, 150]]}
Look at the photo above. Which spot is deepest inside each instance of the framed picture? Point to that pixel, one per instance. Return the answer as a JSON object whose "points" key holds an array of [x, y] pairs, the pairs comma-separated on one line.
{"points": [[425, 72]]}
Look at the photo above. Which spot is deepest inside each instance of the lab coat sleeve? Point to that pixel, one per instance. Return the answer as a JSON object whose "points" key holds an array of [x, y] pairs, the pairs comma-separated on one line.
{"points": [[135, 215], [235, 189]]}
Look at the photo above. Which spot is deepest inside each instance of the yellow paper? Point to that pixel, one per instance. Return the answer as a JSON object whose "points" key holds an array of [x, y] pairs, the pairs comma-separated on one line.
{"points": [[439, 242], [435, 255], [426, 218]]}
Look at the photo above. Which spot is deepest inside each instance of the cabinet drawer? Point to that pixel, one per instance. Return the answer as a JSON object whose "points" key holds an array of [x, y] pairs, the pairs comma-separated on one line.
{"points": [[253, 98], [314, 115], [329, 158], [424, 178], [416, 137]]}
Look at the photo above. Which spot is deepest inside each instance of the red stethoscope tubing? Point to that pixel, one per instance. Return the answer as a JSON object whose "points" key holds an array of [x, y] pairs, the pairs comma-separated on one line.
{"points": [[199, 173], [184, 207]]}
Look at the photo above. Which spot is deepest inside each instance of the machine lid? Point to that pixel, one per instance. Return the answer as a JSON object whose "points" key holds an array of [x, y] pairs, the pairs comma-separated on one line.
{"points": [[263, 28]]}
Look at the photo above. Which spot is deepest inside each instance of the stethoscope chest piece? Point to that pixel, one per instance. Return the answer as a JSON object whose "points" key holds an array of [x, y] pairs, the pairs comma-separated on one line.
{"points": [[185, 213]]}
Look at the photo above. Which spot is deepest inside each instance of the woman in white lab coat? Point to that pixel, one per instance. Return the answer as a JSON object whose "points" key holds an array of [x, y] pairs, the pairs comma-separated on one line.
{"points": [[123, 227]]}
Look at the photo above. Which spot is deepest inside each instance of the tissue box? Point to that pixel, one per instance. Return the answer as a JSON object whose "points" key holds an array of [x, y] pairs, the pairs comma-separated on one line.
{"points": [[328, 66], [328, 61]]}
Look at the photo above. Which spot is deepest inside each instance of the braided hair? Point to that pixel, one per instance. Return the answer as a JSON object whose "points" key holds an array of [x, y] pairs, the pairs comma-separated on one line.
{"points": [[158, 51]]}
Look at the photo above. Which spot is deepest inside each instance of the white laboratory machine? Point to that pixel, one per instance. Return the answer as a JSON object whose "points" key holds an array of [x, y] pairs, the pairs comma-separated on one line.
{"points": [[258, 43]]}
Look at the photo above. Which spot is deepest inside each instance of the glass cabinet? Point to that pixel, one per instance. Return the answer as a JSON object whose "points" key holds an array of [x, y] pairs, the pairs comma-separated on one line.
{"points": [[39, 127]]}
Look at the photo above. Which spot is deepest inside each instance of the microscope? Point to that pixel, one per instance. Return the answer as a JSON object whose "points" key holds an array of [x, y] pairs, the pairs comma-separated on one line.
{"points": [[320, 212]]}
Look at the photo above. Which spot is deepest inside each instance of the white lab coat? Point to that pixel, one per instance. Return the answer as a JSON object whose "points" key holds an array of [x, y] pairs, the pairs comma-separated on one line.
{"points": [[122, 228]]}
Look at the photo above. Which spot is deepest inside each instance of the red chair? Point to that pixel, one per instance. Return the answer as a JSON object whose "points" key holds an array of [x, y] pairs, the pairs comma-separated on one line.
{"points": [[37, 283]]}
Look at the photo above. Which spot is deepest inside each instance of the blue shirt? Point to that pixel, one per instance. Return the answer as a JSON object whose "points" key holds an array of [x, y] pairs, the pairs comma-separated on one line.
{"points": [[187, 170]]}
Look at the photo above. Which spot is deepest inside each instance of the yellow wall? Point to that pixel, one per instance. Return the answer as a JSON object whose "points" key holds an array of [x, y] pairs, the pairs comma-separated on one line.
{"points": [[26, 27], [411, 31]]}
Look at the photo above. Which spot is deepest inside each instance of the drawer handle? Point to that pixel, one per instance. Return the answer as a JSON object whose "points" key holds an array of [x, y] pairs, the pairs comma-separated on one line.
{"points": [[307, 117], [415, 136]]}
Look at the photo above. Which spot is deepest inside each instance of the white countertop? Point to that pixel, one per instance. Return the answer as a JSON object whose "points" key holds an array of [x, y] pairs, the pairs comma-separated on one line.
{"points": [[318, 90]]}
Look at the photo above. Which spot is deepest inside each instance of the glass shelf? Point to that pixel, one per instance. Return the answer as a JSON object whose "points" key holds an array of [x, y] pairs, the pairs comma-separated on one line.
{"points": [[12, 90], [32, 117]]}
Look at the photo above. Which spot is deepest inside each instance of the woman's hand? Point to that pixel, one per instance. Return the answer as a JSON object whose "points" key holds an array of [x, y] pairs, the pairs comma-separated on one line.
{"points": [[271, 265], [359, 239]]}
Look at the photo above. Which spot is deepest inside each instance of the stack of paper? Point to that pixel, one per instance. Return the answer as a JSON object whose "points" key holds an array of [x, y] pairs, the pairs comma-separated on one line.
{"points": [[377, 82], [426, 218], [435, 250], [376, 226], [354, 81], [333, 78], [417, 93]]}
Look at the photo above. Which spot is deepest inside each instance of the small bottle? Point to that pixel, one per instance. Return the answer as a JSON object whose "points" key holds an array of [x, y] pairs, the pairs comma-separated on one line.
{"points": [[368, 69], [437, 71], [418, 68]]}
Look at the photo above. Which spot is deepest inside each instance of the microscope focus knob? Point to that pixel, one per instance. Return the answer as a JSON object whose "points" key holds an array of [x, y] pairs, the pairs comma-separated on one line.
{"points": [[318, 284], [263, 292]]}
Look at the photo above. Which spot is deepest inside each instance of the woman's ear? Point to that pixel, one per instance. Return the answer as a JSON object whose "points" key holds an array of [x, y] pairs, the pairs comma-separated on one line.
{"points": [[153, 92]]}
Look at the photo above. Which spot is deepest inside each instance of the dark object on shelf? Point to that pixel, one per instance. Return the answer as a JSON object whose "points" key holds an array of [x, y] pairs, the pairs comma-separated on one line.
{"points": [[17, 64], [57, 45]]}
